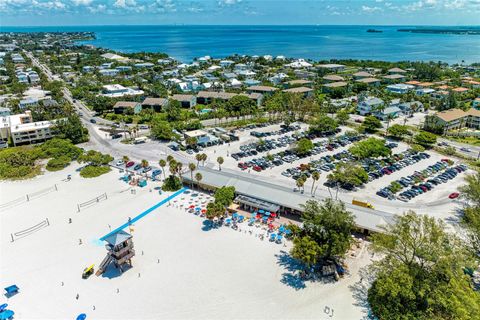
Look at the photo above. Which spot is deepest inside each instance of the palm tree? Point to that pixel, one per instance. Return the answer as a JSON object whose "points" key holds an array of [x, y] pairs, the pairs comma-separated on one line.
{"points": [[315, 177], [144, 163], [220, 162], [300, 182], [204, 158], [172, 166], [198, 177], [125, 159], [163, 164], [198, 157], [192, 168], [179, 168], [169, 158]]}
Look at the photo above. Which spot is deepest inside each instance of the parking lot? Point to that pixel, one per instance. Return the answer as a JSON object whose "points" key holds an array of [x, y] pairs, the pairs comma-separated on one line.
{"points": [[272, 161]]}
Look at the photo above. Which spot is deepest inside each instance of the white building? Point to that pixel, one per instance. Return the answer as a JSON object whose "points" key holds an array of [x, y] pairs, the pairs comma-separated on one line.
{"points": [[22, 129], [400, 88], [117, 90], [108, 72], [369, 105]]}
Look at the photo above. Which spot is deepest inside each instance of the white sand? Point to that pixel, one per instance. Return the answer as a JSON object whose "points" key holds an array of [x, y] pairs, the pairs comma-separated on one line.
{"points": [[214, 274]]}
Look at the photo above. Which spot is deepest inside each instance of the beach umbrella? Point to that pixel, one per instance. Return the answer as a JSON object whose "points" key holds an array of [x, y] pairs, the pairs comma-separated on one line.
{"points": [[281, 229], [204, 210], [261, 211], [198, 208], [191, 206], [3, 306], [82, 316], [273, 214], [235, 215], [266, 213]]}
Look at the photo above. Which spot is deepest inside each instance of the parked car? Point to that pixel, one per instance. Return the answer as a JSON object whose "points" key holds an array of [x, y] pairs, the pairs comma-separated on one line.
{"points": [[119, 163], [129, 164], [454, 195]]}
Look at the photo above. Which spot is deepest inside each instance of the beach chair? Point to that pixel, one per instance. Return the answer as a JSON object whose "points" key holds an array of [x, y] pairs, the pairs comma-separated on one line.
{"points": [[279, 239], [11, 290]]}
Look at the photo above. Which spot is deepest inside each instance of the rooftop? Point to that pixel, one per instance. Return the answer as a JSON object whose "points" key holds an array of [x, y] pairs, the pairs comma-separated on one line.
{"points": [[298, 90], [263, 88]]}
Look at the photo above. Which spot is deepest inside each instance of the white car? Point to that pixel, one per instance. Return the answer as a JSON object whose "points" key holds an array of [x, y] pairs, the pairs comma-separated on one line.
{"points": [[120, 163]]}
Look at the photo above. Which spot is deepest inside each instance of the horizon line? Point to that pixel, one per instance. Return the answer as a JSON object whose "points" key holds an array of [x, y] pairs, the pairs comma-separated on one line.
{"points": [[234, 25]]}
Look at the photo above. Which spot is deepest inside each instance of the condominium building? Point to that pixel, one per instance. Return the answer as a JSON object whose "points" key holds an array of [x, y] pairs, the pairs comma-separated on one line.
{"points": [[454, 119], [22, 129]]}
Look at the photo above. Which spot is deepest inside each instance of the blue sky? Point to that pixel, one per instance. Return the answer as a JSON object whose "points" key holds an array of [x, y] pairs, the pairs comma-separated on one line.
{"points": [[366, 12]]}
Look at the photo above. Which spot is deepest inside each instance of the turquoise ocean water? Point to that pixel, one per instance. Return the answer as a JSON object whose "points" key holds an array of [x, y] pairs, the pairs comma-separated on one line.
{"points": [[315, 42]]}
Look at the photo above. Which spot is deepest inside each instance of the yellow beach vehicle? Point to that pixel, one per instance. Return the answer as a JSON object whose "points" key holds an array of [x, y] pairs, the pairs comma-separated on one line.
{"points": [[87, 272]]}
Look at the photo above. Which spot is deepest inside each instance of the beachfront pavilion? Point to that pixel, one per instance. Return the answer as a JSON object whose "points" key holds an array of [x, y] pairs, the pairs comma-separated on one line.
{"points": [[253, 193]]}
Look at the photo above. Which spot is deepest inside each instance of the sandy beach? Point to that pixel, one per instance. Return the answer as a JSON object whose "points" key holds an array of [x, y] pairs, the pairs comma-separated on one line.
{"points": [[182, 268]]}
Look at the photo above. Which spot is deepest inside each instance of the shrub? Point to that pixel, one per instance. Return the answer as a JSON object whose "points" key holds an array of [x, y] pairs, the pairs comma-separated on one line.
{"points": [[94, 171], [172, 183], [59, 163]]}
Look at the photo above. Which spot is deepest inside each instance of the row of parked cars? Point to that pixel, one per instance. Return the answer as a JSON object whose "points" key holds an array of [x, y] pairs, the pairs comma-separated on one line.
{"points": [[137, 167], [289, 156], [394, 163], [283, 130], [428, 185]]}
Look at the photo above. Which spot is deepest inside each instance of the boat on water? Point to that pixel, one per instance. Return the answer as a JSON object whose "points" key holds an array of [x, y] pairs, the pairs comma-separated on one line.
{"points": [[374, 31]]}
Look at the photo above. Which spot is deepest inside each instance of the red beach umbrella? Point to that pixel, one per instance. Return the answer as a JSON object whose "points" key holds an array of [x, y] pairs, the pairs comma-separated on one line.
{"points": [[204, 210]]}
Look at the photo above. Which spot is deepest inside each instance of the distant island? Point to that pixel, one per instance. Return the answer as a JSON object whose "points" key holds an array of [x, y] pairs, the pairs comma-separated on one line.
{"points": [[443, 31], [374, 31]]}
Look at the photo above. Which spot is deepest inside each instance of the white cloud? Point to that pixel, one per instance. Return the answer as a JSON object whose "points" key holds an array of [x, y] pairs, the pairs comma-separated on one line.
{"points": [[97, 9], [124, 4], [371, 9], [82, 2]]}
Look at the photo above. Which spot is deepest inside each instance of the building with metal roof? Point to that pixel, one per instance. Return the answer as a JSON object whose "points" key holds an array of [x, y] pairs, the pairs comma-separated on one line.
{"points": [[260, 194]]}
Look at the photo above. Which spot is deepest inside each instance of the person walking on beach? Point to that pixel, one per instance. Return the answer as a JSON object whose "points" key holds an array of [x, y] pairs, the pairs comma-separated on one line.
{"points": [[80, 241], [69, 220], [78, 296]]}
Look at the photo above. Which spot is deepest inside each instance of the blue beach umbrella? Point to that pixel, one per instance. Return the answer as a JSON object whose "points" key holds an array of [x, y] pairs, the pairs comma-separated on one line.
{"points": [[82, 316], [261, 211], [198, 208], [267, 213], [3, 306]]}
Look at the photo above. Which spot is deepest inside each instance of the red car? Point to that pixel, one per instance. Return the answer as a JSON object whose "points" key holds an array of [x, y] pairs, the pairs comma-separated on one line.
{"points": [[454, 195], [129, 164], [242, 166], [257, 168]]}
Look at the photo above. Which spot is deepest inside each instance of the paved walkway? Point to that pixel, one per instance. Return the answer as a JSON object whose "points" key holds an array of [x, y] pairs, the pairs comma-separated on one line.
{"points": [[143, 214]]}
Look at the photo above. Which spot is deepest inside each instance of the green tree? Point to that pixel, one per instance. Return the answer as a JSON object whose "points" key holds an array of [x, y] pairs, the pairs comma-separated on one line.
{"points": [[161, 129], [240, 103], [191, 141], [348, 174], [215, 210], [191, 167], [398, 131], [471, 190], [225, 195], [220, 161], [144, 163], [370, 148], [71, 128], [198, 177], [304, 146], [342, 116], [330, 225], [306, 250], [315, 178], [198, 157], [323, 124], [162, 163], [425, 138], [173, 110], [371, 124], [421, 273]]}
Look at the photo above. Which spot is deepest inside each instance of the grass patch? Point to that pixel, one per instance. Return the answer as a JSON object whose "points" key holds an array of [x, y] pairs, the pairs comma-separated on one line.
{"points": [[474, 141], [94, 171]]}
